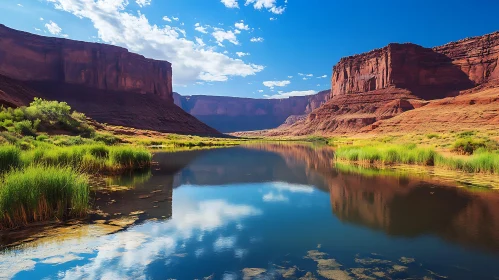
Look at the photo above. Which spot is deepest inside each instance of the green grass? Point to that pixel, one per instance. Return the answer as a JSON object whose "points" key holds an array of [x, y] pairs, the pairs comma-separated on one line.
{"points": [[481, 162], [90, 158], [41, 193], [10, 156], [387, 154]]}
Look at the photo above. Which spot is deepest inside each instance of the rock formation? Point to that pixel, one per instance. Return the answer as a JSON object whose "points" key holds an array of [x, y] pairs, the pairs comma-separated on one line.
{"points": [[386, 82], [108, 83], [230, 114]]}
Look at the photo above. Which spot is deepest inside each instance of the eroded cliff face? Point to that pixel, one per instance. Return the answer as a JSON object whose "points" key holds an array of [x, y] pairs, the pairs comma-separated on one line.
{"points": [[384, 83], [108, 83], [230, 114], [29, 57]]}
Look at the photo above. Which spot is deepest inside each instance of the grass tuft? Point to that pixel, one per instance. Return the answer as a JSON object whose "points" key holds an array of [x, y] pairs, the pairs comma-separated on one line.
{"points": [[41, 193]]}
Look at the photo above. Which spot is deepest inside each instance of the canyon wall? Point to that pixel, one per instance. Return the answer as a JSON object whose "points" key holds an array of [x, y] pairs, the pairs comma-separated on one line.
{"points": [[230, 114], [107, 83], [29, 57], [383, 83]]}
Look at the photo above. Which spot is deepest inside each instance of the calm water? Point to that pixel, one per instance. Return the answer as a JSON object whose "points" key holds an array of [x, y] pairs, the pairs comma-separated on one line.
{"points": [[270, 212]]}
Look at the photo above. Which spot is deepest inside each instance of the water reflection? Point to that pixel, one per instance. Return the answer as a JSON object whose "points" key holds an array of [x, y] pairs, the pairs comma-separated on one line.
{"points": [[265, 211]]}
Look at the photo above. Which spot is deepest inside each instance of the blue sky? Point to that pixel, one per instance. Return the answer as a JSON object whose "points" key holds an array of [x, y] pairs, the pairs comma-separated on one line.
{"points": [[252, 48]]}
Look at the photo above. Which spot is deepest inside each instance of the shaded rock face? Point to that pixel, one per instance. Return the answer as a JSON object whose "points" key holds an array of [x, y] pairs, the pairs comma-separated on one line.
{"points": [[107, 83], [29, 57], [230, 114], [386, 82]]}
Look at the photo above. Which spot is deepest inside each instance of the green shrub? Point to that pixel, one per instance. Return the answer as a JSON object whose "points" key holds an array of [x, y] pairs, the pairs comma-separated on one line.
{"points": [[40, 193], [432, 135], [25, 127], [468, 146], [107, 139]]}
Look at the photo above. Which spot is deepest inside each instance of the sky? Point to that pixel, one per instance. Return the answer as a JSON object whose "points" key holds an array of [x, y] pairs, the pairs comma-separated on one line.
{"points": [[252, 48]]}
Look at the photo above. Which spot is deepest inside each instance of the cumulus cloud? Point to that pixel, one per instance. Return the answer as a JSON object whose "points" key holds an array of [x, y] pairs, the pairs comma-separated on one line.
{"points": [[272, 84], [274, 197], [202, 29], [256, 39], [143, 3], [230, 3], [270, 5], [241, 54], [165, 18], [241, 25], [322, 77], [20, 5], [41, 19], [290, 77], [53, 28], [283, 95], [221, 35], [116, 25], [273, 18]]}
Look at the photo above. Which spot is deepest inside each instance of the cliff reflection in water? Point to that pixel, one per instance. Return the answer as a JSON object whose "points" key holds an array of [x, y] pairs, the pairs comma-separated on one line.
{"points": [[398, 205]]}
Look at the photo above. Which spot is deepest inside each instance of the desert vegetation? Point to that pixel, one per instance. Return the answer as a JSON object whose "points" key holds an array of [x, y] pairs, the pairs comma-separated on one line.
{"points": [[467, 152]]}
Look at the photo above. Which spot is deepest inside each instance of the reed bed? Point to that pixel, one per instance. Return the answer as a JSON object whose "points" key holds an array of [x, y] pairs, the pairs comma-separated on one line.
{"points": [[39, 193], [482, 162]]}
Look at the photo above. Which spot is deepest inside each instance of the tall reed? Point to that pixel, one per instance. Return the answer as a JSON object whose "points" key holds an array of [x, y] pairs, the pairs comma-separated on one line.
{"points": [[41, 193]]}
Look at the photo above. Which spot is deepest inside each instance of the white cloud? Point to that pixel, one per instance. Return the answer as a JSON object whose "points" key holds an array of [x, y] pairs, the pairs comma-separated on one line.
{"points": [[305, 78], [41, 19], [272, 18], [241, 25], [290, 77], [221, 35], [241, 54], [322, 77], [175, 18], [20, 5], [283, 95], [230, 3], [260, 90], [38, 29], [165, 18], [273, 197], [53, 28], [270, 5], [310, 75], [202, 29], [116, 25], [272, 84], [256, 39], [200, 42], [142, 3]]}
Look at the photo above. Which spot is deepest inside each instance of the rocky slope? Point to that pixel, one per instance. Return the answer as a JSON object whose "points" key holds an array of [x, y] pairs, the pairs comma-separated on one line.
{"points": [[108, 83], [230, 114], [387, 82]]}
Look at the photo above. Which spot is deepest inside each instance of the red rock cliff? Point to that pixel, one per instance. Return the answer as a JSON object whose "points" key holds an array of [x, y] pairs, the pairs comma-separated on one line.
{"points": [[230, 114], [28, 57], [108, 83], [386, 82]]}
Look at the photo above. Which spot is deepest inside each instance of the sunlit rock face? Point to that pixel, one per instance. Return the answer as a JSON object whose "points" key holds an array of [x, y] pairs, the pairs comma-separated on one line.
{"points": [[107, 83], [386, 82]]}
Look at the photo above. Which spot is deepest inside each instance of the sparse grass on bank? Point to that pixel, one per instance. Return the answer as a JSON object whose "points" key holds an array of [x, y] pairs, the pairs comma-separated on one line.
{"points": [[386, 154], [41, 193]]}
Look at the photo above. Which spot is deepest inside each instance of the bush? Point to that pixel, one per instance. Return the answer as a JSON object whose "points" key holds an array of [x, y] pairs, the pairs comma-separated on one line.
{"points": [[107, 139], [25, 127], [40, 193], [432, 135], [469, 146]]}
